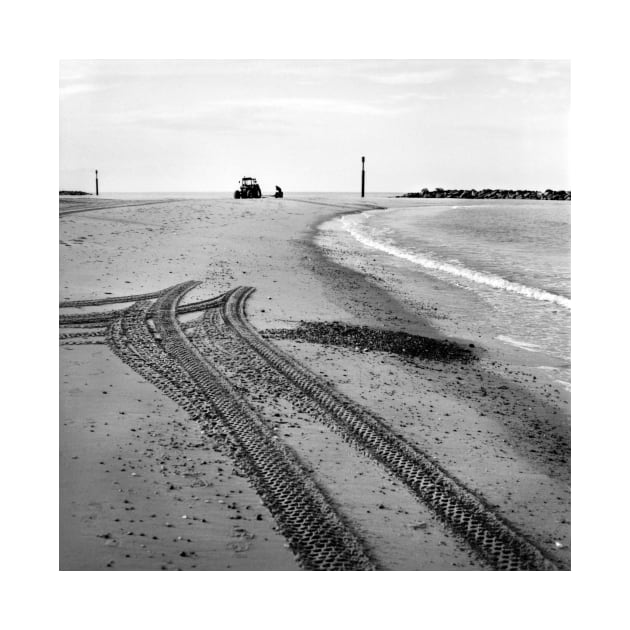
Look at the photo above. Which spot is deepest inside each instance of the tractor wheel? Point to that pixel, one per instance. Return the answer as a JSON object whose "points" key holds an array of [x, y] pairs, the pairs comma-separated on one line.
{"points": [[237, 194], [258, 193]]}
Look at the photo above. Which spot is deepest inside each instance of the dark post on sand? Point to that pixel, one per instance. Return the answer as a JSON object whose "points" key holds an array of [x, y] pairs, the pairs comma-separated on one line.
{"points": [[362, 176], [97, 183]]}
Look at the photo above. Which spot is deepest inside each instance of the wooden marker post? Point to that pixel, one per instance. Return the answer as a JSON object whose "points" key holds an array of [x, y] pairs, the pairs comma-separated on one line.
{"points": [[97, 183], [363, 176]]}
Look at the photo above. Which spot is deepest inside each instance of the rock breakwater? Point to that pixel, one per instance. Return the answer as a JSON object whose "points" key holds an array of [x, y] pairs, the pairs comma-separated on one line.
{"points": [[491, 193]]}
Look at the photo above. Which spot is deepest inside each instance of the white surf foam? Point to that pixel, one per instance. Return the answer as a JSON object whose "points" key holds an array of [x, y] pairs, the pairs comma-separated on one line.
{"points": [[352, 226], [532, 347]]}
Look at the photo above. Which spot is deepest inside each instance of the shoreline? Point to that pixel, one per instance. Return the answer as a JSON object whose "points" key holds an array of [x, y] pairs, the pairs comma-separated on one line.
{"points": [[383, 267], [438, 408], [343, 280]]}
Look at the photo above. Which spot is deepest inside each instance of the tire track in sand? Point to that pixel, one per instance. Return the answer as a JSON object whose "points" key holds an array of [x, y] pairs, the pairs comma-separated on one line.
{"points": [[317, 535], [494, 539]]}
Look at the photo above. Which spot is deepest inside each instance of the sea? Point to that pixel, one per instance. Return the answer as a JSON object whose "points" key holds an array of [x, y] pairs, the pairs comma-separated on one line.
{"points": [[498, 270]]}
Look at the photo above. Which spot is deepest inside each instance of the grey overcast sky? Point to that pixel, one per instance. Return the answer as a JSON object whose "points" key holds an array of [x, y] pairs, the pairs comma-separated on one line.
{"points": [[202, 125]]}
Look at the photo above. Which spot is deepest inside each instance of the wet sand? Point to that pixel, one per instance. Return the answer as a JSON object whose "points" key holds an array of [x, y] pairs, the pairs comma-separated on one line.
{"points": [[133, 464]]}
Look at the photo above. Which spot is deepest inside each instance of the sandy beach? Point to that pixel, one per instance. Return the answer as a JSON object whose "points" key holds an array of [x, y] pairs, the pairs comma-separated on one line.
{"points": [[236, 437]]}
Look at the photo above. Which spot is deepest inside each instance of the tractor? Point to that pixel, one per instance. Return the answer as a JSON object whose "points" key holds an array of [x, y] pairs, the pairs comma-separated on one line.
{"points": [[249, 189]]}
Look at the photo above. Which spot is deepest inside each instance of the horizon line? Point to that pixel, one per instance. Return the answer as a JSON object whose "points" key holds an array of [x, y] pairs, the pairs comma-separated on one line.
{"points": [[315, 191]]}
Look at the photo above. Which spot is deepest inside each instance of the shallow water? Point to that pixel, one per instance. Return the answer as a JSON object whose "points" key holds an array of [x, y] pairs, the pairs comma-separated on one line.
{"points": [[505, 262]]}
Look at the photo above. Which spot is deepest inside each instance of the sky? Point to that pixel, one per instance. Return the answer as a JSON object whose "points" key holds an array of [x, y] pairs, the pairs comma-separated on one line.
{"points": [[168, 126]]}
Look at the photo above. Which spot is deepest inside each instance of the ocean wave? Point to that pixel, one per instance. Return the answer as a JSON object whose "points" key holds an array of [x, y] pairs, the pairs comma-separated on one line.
{"points": [[352, 227], [524, 345]]}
